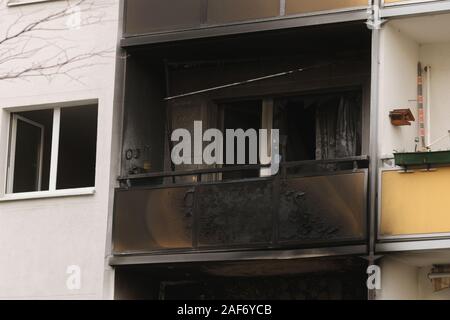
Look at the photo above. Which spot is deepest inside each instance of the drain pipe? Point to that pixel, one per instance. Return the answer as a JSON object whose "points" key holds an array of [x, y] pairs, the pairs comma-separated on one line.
{"points": [[374, 23], [373, 152], [428, 116], [420, 109]]}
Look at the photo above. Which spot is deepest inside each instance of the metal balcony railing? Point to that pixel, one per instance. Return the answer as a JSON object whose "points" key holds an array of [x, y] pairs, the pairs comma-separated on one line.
{"points": [[323, 205]]}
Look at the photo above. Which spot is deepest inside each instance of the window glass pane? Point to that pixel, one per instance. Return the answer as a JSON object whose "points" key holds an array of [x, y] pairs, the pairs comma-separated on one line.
{"points": [[33, 137], [241, 115], [318, 127], [27, 165], [77, 147]]}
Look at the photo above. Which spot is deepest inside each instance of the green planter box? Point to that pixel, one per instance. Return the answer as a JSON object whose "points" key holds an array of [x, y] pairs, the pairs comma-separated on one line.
{"points": [[422, 158]]}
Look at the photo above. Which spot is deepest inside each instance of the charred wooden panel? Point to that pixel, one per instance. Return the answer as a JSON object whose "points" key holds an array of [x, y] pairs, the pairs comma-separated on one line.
{"points": [[153, 219], [323, 209], [235, 213]]}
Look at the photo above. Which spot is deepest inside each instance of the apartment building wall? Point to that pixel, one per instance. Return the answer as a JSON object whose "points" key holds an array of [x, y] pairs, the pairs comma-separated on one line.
{"points": [[404, 43], [437, 55], [41, 237], [405, 277], [398, 280], [399, 56]]}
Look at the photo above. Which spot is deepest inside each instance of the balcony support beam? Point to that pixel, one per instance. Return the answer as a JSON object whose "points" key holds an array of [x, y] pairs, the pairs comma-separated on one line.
{"points": [[236, 256], [373, 150], [413, 246], [402, 10]]}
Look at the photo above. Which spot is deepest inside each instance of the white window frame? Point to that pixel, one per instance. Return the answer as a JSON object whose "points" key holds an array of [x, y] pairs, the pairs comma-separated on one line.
{"points": [[267, 123], [55, 149], [52, 192], [12, 3], [12, 153]]}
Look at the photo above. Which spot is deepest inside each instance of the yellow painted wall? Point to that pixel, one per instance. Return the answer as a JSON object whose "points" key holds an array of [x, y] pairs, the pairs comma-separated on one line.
{"points": [[304, 6], [415, 203]]}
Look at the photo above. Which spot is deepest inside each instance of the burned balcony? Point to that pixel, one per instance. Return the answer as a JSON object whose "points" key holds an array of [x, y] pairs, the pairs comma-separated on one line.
{"points": [[254, 82], [285, 211]]}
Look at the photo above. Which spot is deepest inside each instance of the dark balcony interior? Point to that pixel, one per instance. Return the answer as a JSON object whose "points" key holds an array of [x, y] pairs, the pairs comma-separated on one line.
{"points": [[303, 279], [318, 199]]}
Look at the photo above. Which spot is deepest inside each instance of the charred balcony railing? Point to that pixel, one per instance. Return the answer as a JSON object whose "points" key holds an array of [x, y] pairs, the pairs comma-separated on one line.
{"points": [[309, 204]]}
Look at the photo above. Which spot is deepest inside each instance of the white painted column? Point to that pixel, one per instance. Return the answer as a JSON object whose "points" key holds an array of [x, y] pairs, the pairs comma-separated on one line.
{"points": [[55, 148]]}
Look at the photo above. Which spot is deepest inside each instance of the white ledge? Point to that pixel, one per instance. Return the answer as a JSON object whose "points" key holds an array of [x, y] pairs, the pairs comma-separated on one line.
{"points": [[47, 194]]}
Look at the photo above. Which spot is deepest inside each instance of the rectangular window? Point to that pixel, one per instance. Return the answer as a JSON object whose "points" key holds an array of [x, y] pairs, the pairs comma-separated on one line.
{"points": [[319, 126], [52, 149], [311, 127], [241, 115]]}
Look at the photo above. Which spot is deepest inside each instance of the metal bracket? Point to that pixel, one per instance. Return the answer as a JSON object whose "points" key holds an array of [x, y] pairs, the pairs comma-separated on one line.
{"points": [[372, 258], [374, 22]]}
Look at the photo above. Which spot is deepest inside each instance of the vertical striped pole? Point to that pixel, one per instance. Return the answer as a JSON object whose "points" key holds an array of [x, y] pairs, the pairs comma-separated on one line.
{"points": [[422, 146]]}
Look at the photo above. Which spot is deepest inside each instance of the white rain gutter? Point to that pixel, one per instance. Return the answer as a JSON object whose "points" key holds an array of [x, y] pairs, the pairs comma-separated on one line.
{"points": [[428, 116]]}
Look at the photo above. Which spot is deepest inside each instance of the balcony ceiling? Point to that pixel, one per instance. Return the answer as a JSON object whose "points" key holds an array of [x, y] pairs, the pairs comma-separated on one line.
{"points": [[260, 268], [317, 39], [423, 259], [425, 29]]}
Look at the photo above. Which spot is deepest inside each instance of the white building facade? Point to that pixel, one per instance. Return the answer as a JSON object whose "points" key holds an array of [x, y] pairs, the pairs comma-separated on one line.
{"points": [[58, 57]]}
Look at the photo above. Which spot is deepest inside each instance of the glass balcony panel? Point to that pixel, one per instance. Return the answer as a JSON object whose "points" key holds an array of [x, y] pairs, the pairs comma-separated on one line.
{"points": [[235, 213], [146, 16], [152, 219], [414, 204], [305, 6], [223, 11], [304, 212], [323, 209]]}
